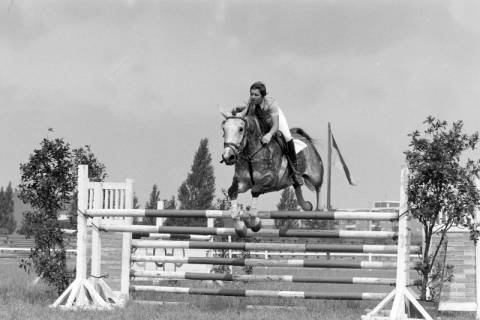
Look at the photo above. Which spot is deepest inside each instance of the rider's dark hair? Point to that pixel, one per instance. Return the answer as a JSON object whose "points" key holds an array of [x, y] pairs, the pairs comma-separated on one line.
{"points": [[260, 87]]}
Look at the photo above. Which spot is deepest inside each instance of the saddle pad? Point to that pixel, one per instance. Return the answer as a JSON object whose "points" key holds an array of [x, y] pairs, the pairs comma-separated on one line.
{"points": [[299, 145]]}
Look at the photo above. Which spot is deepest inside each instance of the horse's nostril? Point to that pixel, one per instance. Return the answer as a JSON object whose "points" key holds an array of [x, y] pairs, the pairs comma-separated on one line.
{"points": [[231, 157]]}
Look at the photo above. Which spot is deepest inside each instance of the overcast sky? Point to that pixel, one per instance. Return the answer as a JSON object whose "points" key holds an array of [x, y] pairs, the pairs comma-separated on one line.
{"points": [[141, 81]]}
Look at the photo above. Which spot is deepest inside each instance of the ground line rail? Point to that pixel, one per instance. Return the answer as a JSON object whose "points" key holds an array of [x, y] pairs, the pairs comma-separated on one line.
{"points": [[264, 293]]}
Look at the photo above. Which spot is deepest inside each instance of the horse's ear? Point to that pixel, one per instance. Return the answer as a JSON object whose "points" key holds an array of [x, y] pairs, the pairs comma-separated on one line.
{"points": [[224, 113]]}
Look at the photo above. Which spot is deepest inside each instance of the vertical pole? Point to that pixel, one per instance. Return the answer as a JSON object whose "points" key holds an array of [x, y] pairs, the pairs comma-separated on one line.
{"points": [[127, 243], [477, 274], [96, 240], [329, 168], [477, 263], [160, 221], [82, 183]]}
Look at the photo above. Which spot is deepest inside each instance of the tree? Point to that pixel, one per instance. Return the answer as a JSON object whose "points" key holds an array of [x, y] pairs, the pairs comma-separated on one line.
{"points": [[441, 188], [288, 202], [222, 204], [197, 191], [152, 204], [7, 219], [48, 182], [135, 202]]}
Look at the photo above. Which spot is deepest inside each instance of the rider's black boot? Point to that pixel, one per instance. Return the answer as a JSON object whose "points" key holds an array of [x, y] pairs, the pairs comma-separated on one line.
{"points": [[293, 159]]}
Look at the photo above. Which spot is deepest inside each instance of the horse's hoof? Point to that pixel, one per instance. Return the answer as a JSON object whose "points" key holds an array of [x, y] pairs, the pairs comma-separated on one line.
{"points": [[240, 228], [307, 206], [255, 224]]}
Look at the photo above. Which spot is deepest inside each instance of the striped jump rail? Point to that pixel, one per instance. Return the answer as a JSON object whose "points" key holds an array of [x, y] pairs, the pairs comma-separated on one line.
{"points": [[297, 263], [262, 278], [263, 293], [298, 233], [296, 247], [317, 215]]}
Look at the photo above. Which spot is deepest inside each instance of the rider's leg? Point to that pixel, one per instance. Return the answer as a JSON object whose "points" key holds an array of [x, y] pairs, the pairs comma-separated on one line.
{"points": [[283, 127], [293, 158]]}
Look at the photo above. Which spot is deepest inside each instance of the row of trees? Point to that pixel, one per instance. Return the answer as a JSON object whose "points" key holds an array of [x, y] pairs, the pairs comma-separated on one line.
{"points": [[7, 219]]}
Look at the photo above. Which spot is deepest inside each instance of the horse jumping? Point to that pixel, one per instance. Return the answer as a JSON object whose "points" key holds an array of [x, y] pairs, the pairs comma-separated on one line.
{"points": [[265, 168]]}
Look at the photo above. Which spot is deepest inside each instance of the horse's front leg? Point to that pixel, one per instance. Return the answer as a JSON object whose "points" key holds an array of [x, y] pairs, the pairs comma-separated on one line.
{"points": [[240, 227], [254, 222]]}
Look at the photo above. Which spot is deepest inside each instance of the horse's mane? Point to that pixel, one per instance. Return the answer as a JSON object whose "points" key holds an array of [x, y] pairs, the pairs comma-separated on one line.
{"points": [[254, 123]]}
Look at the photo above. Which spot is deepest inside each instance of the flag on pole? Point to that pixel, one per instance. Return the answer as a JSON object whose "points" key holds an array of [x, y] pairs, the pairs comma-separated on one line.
{"points": [[342, 161]]}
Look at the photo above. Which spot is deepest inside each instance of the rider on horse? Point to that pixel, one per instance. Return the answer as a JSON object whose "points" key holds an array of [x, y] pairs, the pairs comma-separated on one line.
{"points": [[271, 120]]}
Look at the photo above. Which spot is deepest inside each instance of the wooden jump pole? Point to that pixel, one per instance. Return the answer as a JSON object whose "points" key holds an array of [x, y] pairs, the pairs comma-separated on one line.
{"points": [[256, 246], [322, 215], [298, 263], [263, 232], [260, 277]]}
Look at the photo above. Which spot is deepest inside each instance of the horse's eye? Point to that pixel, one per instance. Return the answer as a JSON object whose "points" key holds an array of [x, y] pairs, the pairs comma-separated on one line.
{"points": [[241, 129]]}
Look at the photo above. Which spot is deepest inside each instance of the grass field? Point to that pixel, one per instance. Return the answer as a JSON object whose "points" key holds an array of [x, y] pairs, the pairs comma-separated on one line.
{"points": [[21, 299]]}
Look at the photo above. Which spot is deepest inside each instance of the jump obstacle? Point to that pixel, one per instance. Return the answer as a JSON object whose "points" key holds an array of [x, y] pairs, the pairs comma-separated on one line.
{"points": [[100, 200]]}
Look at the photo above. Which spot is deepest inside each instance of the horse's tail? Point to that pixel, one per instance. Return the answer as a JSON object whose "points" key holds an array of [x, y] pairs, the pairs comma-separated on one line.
{"points": [[302, 132]]}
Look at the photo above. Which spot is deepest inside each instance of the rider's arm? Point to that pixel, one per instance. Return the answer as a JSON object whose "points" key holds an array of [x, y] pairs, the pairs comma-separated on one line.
{"points": [[275, 118]]}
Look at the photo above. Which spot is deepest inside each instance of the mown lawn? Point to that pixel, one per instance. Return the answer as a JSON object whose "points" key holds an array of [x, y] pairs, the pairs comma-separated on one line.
{"points": [[21, 299]]}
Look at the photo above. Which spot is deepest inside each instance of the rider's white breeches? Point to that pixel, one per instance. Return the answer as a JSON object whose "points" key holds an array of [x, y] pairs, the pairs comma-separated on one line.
{"points": [[283, 126]]}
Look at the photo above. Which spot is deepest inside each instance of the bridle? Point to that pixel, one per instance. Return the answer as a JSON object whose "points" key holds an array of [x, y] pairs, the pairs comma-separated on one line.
{"points": [[238, 148]]}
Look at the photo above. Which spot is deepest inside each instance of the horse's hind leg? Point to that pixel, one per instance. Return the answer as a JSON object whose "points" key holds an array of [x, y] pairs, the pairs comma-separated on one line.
{"points": [[306, 205], [317, 193]]}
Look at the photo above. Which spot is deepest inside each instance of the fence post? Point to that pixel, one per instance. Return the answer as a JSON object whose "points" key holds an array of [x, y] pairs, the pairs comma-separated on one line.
{"points": [[127, 243], [96, 239]]}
